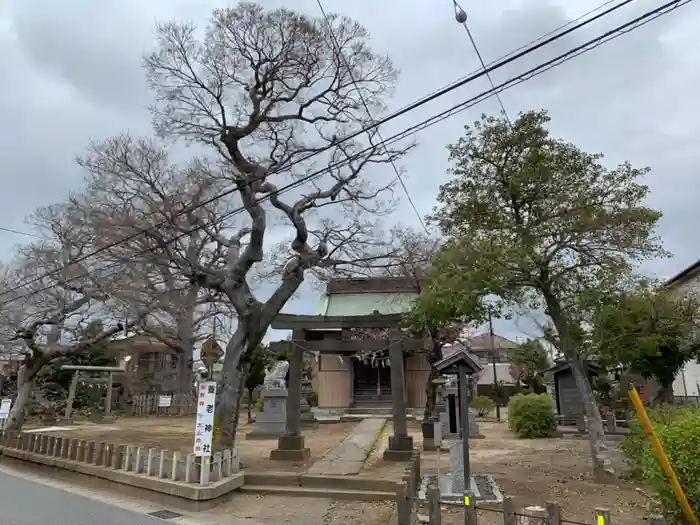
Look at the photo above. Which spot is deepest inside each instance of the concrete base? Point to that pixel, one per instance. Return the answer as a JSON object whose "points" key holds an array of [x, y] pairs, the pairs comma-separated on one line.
{"points": [[179, 489], [429, 444], [290, 448], [290, 455], [400, 448], [260, 436]]}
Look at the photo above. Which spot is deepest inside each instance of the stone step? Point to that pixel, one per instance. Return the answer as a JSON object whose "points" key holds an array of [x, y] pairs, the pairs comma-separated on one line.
{"points": [[329, 493], [316, 481], [370, 409]]}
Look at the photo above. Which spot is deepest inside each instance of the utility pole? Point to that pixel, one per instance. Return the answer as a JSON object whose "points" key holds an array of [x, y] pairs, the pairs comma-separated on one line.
{"points": [[493, 364]]}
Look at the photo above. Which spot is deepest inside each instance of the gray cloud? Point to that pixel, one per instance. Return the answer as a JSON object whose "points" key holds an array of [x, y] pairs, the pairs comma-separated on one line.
{"points": [[71, 72]]}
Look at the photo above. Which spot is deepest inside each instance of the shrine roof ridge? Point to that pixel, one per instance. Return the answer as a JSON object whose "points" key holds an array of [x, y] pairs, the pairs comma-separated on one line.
{"points": [[330, 322]]}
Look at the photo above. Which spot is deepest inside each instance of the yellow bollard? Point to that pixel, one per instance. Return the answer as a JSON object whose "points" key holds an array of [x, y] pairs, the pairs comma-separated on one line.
{"points": [[660, 454]]}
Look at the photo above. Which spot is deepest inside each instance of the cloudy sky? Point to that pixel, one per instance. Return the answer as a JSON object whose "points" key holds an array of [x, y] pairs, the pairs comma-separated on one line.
{"points": [[71, 72]]}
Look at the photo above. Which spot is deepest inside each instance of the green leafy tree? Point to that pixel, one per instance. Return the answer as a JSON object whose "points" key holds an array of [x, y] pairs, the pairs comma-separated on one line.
{"points": [[542, 224], [530, 360], [650, 333], [256, 374], [440, 312]]}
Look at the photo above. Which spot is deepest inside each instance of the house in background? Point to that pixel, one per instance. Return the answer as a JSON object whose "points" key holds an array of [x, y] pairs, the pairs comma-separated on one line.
{"points": [[480, 347], [150, 364], [687, 383]]}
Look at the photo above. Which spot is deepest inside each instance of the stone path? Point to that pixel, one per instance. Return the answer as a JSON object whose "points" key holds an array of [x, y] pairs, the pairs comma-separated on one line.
{"points": [[348, 457]]}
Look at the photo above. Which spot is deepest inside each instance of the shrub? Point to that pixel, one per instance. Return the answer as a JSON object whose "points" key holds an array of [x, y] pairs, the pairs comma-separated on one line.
{"points": [[260, 404], [483, 405], [678, 429], [532, 415], [312, 397]]}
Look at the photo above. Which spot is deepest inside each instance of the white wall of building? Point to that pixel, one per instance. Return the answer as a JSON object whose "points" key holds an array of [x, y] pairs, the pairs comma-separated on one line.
{"points": [[688, 380]]}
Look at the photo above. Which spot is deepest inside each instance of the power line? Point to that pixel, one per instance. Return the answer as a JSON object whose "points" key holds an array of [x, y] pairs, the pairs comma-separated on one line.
{"points": [[537, 70], [461, 17], [564, 57], [10, 230], [339, 50], [434, 95]]}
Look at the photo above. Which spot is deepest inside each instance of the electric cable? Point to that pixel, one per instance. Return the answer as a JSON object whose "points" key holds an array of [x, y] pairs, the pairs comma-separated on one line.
{"points": [[10, 230], [564, 57], [339, 50], [434, 95], [461, 17]]}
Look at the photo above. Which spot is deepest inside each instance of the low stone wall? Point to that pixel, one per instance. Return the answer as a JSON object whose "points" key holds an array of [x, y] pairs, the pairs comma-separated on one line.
{"points": [[153, 469]]}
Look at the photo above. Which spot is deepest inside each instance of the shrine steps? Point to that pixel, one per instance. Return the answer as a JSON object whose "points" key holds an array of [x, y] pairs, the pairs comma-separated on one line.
{"points": [[306, 492], [358, 488], [379, 410]]}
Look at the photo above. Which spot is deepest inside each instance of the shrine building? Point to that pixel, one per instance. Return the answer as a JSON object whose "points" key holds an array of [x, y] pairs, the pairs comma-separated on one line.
{"points": [[357, 323]]}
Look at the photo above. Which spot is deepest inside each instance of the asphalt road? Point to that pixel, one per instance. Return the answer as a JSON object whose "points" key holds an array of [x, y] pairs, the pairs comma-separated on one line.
{"points": [[23, 502]]}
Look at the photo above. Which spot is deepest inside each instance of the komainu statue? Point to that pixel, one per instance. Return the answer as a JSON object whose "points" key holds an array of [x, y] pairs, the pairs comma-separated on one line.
{"points": [[275, 377]]}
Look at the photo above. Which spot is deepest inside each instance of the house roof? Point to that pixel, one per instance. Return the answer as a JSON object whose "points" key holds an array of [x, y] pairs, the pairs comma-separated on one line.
{"points": [[140, 343], [682, 276], [372, 285], [449, 364], [482, 342], [562, 366]]}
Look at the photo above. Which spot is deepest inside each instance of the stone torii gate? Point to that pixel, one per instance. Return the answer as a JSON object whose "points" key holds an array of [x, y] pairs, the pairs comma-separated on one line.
{"points": [[291, 444], [110, 370]]}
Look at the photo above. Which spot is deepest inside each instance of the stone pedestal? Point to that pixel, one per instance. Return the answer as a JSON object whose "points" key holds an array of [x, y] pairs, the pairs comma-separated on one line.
{"points": [[290, 448], [271, 422], [400, 448]]}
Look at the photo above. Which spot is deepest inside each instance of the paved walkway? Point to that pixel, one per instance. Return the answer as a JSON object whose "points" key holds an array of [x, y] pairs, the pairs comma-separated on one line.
{"points": [[26, 503], [348, 457]]}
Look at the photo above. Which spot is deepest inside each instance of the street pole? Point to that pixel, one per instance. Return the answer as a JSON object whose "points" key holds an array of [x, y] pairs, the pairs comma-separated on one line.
{"points": [[464, 422], [493, 364]]}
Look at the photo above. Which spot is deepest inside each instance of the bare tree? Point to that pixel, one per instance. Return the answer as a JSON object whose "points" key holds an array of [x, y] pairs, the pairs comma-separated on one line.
{"points": [[48, 301], [133, 186], [276, 100]]}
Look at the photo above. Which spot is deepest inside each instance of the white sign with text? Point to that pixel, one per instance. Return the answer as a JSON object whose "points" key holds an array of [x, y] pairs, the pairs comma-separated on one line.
{"points": [[5, 407], [204, 425], [165, 401]]}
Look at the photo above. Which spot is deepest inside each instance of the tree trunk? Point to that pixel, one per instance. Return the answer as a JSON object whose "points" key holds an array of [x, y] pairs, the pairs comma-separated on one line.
{"points": [[232, 381], [664, 395], [602, 470], [243, 370], [250, 406], [596, 431], [185, 380], [433, 357], [26, 377]]}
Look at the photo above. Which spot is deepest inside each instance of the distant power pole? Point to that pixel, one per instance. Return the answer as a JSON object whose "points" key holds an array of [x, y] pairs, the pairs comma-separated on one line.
{"points": [[493, 363]]}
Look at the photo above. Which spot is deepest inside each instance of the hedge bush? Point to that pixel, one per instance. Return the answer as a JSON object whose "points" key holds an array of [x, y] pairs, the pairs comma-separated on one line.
{"points": [[312, 397], [678, 429], [260, 404], [483, 405], [532, 415]]}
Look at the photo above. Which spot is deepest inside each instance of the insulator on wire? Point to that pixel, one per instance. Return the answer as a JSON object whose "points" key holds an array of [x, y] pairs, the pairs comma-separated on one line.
{"points": [[460, 15]]}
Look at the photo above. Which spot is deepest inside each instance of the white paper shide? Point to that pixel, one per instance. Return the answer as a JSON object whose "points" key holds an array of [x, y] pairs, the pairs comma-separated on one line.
{"points": [[204, 426]]}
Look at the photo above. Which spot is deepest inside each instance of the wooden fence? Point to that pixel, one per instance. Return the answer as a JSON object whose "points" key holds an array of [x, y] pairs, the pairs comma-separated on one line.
{"points": [[150, 405], [410, 510], [180, 404]]}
